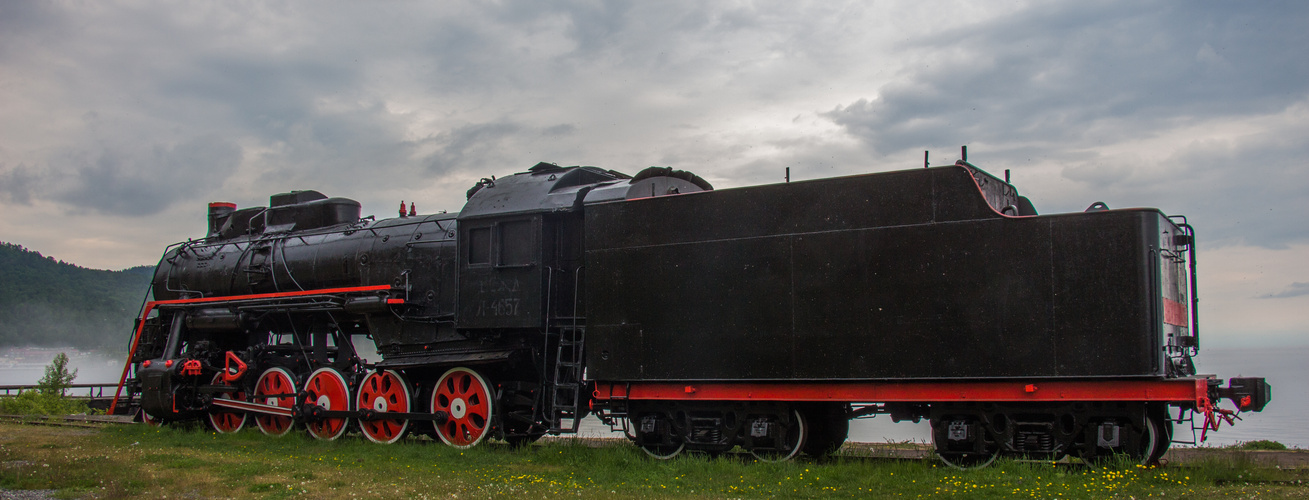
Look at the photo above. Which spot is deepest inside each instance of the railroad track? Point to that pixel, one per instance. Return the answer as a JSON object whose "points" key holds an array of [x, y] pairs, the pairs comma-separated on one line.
{"points": [[87, 421]]}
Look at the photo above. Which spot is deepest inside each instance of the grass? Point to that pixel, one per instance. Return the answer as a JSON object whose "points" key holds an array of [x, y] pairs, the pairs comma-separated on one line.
{"points": [[140, 461], [33, 402]]}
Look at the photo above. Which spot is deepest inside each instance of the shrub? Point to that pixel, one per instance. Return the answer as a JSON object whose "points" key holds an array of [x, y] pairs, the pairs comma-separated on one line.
{"points": [[1262, 444], [39, 403], [48, 398], [57, 379]]}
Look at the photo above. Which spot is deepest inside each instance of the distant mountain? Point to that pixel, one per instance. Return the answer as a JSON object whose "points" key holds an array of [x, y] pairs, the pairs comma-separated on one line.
{"points": [[46, 302]]}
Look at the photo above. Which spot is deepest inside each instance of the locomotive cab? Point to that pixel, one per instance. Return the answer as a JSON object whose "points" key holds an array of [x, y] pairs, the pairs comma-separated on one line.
{"points": [[521, 241]]}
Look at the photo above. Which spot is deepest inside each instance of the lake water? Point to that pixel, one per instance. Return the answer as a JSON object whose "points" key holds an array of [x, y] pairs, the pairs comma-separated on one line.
{"points": [[1286, 419]]}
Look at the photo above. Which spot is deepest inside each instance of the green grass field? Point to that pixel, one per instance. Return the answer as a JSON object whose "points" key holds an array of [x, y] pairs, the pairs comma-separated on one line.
{"points": [[144, 462]]}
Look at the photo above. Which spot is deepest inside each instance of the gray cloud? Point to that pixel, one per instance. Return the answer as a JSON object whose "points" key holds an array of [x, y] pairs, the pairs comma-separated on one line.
{"points": [[1051, 73], [472, 146], [124, 180], [1295, 290], [349, 98], [1061, 82], [20, 183], [1244, 191], [112, 181]]}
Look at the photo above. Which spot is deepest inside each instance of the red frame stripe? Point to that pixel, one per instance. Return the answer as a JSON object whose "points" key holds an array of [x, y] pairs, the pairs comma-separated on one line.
{"points": [[150, 306]]}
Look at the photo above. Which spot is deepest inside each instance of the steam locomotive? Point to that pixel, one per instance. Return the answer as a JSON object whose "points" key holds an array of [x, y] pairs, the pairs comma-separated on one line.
{"points": [[762, 317]]}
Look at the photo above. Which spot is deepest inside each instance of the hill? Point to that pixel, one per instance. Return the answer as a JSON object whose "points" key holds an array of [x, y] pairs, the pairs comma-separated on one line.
{"points": [[47, 302]]}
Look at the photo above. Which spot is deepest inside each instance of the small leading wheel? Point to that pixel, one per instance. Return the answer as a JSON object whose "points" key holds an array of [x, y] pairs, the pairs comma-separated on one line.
{"points": [[149, 420], [383, 392], [466, 399], [327, 389], [787, 444], [275, 387], [224, 420]]}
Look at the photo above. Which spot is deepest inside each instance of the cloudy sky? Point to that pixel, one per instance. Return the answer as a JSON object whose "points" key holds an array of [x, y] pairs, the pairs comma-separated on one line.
{"points": [[119, 121]]}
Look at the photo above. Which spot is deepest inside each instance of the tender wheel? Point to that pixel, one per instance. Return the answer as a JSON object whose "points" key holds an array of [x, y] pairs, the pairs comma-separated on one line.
{"points": [[327, 389], [1163, 431], [664, 452], [828, 429], [275, 387], [787, 443], [383, 392], [223, 420], [963, 443], [467, 399], [1117, 438], [655, 435]]}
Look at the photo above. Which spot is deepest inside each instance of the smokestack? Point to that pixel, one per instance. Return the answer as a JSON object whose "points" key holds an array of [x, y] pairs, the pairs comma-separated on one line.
{"points": [[218, 212]]}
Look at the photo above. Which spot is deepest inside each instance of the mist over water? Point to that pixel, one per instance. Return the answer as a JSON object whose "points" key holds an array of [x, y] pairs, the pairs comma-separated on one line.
{"points": [[1284, 420], [27, 366]]}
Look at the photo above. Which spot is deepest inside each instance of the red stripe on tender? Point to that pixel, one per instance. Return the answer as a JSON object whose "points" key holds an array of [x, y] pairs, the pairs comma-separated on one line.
{"points": [[1177, 390], [1175, 313]]}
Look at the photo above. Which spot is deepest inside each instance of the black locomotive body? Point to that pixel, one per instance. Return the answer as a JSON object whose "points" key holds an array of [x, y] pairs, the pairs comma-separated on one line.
{"points": [[763, 317]]}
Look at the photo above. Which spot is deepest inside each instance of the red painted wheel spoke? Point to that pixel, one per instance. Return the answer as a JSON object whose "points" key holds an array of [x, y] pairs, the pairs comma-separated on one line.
{"points": [[384, 392], [274, 381], [222, 419], [326, 387], [464, 396], [477, 409]]}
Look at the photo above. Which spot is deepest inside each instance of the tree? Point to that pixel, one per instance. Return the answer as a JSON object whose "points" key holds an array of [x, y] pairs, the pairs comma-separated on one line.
{"points": [[57, 379]]}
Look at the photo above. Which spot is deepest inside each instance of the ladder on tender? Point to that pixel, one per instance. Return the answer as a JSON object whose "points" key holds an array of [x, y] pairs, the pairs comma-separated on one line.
{"points": [[566, 389]]}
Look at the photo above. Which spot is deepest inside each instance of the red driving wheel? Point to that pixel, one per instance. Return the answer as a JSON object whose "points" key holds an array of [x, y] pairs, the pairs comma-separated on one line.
{"points": [[466, 398], [276, 382], [383, 392], [327, 389], [224, 420]]}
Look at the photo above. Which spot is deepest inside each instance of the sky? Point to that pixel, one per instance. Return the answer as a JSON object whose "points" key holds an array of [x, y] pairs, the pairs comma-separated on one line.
{"points": [[121, 120]]}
